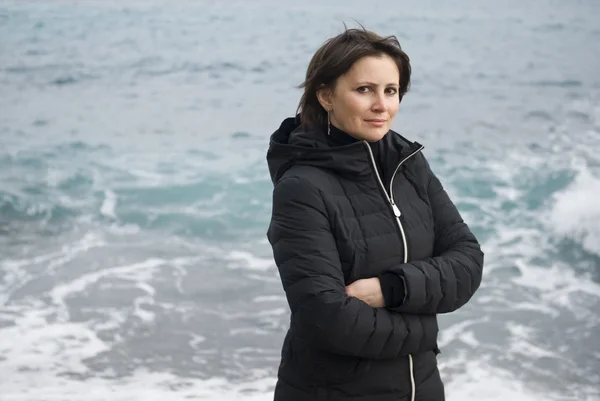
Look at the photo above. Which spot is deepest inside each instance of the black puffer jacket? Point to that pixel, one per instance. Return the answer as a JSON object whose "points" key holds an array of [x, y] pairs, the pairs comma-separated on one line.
{"points": [[334, 222]]}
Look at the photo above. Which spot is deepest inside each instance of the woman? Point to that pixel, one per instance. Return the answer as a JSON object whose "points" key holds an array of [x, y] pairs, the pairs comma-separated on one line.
{"points": [[368, 245]]}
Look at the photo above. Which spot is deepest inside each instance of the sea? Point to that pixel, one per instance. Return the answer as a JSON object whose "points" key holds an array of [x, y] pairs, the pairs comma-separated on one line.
{"points": [[135, 195]]}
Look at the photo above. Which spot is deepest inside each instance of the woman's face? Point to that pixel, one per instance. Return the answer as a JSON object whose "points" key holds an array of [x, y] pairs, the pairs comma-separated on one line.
{"points": [[365, 100]]}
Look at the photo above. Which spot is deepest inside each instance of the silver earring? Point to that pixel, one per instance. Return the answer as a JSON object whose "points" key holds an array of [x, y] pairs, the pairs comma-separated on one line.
{"points": [[328, 123]]}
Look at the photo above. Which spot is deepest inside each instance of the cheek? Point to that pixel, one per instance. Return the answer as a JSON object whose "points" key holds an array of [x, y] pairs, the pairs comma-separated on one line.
{"points": [[356, 105], [393, 108], [351, 112]]}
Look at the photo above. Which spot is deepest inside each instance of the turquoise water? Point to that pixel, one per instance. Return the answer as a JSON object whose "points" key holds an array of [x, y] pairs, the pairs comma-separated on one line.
{"points": [[134, 193]]}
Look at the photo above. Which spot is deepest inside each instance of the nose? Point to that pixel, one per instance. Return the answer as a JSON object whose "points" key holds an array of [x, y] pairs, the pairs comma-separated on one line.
{"points": [[379, 103]]}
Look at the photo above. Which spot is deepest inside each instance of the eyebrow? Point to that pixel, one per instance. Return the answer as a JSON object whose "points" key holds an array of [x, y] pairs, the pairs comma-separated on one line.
{"points": [[374, 84]]}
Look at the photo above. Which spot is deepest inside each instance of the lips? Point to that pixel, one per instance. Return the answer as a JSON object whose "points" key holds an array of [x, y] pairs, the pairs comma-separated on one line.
{"points": [[378, 123]]}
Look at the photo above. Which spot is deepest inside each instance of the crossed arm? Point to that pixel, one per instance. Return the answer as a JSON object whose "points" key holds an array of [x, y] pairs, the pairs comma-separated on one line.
{"points": [[322, 312], [440, 284]]}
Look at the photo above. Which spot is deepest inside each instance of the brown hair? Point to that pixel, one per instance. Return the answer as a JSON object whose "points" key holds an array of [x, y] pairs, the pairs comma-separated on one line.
{"points": [[335, 58]]}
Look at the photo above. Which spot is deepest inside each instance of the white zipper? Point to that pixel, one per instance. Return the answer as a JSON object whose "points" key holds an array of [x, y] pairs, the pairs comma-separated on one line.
{"points": [[397, 213], [390, 195]]}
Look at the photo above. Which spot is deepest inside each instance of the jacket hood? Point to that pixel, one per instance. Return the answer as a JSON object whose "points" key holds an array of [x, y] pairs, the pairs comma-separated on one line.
{"points": [[291, 144]]}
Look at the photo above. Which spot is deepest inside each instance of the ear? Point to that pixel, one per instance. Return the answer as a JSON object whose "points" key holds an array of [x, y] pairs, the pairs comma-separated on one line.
{"points": [[324, 95]]}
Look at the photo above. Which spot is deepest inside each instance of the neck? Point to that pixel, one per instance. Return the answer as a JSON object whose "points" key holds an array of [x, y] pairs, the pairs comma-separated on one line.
{"points": [[337, 137]]}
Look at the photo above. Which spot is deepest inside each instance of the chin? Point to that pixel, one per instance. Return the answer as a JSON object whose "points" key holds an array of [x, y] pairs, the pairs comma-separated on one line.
{"points": [[375, 134]]}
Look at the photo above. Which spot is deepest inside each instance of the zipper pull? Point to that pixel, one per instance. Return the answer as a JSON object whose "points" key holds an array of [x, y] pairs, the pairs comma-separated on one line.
{"points": [[396, 210]]}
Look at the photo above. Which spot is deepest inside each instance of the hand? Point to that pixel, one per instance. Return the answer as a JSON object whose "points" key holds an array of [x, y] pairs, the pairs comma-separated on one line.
{"points": [[367, 290]]}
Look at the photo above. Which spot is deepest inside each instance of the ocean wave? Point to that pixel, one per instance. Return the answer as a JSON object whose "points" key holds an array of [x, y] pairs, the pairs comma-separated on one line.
{"points": [[16, 208], [575, 213], [480, 381]]}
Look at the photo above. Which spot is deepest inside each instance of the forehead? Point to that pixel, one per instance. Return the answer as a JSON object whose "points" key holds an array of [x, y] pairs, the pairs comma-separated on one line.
{"points": [[381, 70]]}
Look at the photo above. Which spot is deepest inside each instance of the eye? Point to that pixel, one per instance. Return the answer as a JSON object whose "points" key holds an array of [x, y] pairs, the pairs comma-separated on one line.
{"points": [[392, 91], [363, 89]]}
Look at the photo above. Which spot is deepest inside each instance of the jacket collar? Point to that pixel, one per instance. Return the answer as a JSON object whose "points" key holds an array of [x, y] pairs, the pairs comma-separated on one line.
{"points": [[293, 144]]}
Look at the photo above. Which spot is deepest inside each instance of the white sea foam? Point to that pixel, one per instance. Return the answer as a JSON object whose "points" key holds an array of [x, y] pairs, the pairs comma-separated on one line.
{"points": [[576, 212], [482, 382], [269, 298], [109, 204], [32, 345], [246, 260], [136, 272], [556, 284], [148, 386], [479, 382]]}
